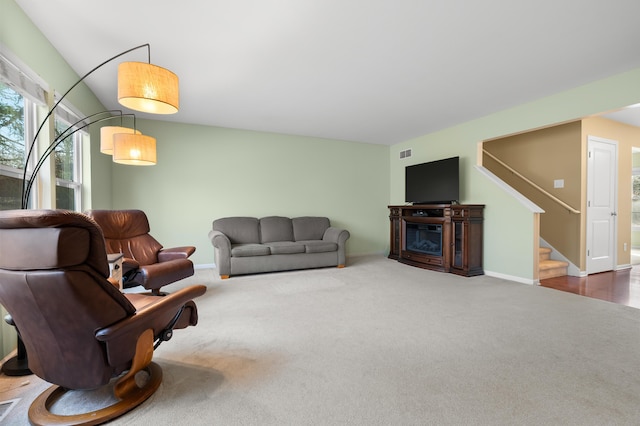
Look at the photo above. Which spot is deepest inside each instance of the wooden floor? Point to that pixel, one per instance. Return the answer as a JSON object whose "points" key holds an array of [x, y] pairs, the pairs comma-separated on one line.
{"points": [[622, 287]]}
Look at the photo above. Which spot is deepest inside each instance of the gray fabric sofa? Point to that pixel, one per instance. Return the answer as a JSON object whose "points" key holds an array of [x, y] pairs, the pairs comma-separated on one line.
{"points": [[248, 245]]}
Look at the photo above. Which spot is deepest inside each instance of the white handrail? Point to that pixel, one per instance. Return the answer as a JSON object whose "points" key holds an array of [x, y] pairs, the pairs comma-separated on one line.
{"points": [[554, 198]]}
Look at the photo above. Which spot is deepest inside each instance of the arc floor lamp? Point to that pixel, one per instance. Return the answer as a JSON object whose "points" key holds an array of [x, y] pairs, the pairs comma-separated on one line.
{"points": [[142, 87]]}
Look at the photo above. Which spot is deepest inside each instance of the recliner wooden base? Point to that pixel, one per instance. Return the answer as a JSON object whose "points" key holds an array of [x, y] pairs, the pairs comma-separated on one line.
{"points": [[40, 414]]}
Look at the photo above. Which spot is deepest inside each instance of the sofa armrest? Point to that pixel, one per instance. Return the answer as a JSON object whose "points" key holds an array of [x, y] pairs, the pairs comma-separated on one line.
{"points": [[336, 235], [340, 237], [219, 240], [222, 252]]}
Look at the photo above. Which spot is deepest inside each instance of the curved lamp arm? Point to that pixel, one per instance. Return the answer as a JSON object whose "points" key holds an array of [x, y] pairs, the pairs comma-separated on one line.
{"points": [[25, 192], [69, 131]]}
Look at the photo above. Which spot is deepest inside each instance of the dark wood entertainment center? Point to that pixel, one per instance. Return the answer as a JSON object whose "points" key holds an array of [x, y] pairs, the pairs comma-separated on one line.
{"points": [[442, 237]]}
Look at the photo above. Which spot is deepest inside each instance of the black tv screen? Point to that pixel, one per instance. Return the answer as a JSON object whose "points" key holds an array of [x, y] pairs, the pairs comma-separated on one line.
{"points": [[435, 182]]}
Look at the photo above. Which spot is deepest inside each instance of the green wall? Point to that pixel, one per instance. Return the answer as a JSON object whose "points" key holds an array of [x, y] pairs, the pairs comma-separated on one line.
{"points": [[204, 173]]}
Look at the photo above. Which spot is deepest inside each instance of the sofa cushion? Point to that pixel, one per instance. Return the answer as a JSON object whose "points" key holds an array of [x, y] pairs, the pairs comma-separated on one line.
{"points": [[248, 250], [239, 230], [286, 247], [309, 227], [275, 228], [319, 246]]}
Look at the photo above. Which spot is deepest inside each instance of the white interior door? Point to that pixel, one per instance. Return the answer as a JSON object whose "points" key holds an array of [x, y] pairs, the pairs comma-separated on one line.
{"points": [[602, 183]]}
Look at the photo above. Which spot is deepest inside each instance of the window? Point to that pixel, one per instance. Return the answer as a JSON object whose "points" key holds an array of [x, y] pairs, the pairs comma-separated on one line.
{"points": [[635, 192], [13, 107], [22, 98], [68, 171], [635, 199]]}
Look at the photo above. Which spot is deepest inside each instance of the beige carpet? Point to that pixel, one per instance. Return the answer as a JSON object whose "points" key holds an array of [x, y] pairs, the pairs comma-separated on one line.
{"points": [[381, 343]]}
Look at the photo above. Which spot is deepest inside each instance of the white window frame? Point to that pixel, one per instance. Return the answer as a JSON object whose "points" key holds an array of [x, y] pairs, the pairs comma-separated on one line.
{"points": [[76, 184]]}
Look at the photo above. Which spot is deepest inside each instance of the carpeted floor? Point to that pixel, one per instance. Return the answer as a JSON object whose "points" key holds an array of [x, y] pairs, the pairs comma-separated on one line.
{"points": [[381, 343]]}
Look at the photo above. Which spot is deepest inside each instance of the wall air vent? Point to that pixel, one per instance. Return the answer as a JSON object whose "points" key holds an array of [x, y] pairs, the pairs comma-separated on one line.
{"points": [[406, 153]]}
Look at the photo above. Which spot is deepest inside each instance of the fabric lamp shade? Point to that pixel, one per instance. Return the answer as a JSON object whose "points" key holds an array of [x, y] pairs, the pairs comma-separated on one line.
{"points": [[148, 88], [134, 150], [106, 137]]}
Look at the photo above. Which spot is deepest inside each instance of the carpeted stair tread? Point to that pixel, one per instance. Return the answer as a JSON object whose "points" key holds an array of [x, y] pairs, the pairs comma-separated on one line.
{"points": [[552, 268], [550, 264], [544, 253]]}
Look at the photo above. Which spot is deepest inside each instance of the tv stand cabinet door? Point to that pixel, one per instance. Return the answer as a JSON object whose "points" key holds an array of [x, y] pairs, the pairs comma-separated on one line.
{"points": [[466, 249], [395, 214]]}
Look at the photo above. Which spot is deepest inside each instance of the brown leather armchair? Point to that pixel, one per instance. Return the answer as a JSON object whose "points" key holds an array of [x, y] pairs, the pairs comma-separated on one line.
{"points": [[145, 262], [79, 330]]}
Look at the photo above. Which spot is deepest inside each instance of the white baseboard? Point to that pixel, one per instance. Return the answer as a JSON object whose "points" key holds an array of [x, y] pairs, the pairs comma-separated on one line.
{"points": [[623, 267], [205, 266], [511, 278]]}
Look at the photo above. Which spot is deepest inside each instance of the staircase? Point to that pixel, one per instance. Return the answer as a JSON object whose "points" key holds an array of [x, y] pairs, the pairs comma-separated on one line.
{"points": [[549, 268]]}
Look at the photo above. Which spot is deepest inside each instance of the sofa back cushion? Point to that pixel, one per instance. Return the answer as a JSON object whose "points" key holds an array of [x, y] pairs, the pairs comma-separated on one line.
{"points": [[239, 230], [309, 227], [275, 228]]}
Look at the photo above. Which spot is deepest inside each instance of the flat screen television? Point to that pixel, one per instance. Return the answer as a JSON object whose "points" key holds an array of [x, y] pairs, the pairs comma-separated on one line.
{"points": [[435, 182]]}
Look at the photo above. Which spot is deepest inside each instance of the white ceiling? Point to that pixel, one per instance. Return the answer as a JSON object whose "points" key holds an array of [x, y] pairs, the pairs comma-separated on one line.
{"points": [[376, 71]]}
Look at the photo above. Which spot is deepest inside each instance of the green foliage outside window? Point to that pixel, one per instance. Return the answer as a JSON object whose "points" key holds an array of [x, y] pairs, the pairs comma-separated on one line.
{"points": [[636, 187], [64, 154], [635, 200], [12, 146], [13, 152]]}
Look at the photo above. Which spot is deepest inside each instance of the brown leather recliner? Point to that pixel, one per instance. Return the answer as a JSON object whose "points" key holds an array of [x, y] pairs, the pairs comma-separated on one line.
{"points": [[79, 330], [145, 262]]}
